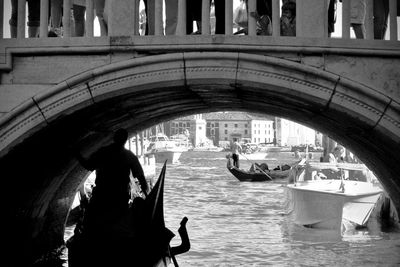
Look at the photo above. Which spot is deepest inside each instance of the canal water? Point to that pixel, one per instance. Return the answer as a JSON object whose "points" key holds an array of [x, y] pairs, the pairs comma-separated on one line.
{"points": [[234, 223]]}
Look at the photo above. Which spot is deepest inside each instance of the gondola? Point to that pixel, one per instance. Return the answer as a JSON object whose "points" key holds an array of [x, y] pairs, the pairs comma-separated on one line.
{"points": [[258, 176], [138, 239]]}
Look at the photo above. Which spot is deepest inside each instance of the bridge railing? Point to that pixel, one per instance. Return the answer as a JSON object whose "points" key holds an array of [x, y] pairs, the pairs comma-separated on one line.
{"points": [[122, 17]]}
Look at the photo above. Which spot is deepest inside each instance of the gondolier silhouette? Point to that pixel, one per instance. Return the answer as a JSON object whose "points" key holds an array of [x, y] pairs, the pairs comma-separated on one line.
{"points": [[113, 165], [236, 149]]}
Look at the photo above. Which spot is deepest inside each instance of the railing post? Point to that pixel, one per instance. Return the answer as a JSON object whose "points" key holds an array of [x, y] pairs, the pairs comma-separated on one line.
{"points": [[312, 18], [181, 25], [393, 19], [228, 17], [136, 17], [205, 17], [1, 18], [66, 20], [120, 19], [44, 18], [251, 19], [158, 21], [369, 19], [276, 29], [346, 19], [89, 18], [21, 19]]}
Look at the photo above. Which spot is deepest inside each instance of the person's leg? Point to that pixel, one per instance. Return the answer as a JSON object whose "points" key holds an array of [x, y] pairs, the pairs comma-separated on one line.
{"points": [[79, 20], [56, 16], [189, 18], [33, 18], [150, 17], [331, 17], [171, 13], [219, 16], [381, 13], [359, 30], [13, 20], [99, 12], [357, 17]]}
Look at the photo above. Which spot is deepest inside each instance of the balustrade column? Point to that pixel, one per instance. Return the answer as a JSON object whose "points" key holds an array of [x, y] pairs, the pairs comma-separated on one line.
{"points": [[120, 21], [276, 23], [1, 18], [228, 17], [66, 20], [136, 17], [205, 17], [393, 19], [369, 19], [346, 19], [21, 19], [44, 18], [181, 25], [89, 18], [158, 21], [312, 18], [251, 19]]}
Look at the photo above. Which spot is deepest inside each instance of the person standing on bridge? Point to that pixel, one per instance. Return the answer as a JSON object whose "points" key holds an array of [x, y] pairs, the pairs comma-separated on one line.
{"points": [[113, 164]]}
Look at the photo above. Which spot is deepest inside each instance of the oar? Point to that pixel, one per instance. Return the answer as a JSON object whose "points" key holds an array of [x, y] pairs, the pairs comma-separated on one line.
{"points": [[266, 174]]}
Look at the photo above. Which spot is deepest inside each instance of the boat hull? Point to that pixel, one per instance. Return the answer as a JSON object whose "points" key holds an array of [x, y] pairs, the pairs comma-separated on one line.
{"points": [[171, 157], [246, 176], [322, 204]]}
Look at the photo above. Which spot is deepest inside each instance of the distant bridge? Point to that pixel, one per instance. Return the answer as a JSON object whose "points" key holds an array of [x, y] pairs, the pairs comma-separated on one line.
{"points": [[56, 93]]}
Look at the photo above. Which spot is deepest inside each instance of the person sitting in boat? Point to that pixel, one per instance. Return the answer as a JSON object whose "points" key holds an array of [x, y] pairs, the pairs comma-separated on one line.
{"points": [[336, 156], [255, 167]]}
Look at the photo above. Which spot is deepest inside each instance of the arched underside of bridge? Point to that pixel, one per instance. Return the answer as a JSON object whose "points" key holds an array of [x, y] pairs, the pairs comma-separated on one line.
{"points": [[41, 176]]}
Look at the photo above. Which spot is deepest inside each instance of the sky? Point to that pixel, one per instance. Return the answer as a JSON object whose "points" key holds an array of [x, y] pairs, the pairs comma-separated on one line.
{"points": [[337, 33]]}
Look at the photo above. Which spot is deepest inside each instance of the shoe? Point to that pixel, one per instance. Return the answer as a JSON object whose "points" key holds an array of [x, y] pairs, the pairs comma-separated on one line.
{"points": [[55, 32]]}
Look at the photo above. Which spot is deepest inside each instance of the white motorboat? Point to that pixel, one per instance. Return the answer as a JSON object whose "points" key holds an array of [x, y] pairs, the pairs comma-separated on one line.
{"points": [[164, 149], [331, 195]]}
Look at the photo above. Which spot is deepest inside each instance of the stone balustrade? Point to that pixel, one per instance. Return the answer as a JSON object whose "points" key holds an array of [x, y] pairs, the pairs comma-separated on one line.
{"points": [[122, 18]]}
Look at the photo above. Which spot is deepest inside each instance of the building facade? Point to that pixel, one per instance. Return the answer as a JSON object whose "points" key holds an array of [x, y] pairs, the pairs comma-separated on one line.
{"points": [[222, 128]]}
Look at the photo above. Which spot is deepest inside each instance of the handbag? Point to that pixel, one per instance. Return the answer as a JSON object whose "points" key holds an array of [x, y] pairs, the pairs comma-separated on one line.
{"points": [[240, 15]]}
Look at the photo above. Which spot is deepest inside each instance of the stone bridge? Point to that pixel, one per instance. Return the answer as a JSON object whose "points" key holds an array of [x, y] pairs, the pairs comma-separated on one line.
{"points": [[59, 93]]}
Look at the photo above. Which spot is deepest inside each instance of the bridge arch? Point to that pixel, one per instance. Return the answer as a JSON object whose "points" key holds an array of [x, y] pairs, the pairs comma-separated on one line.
{"points": [[140, 92]]}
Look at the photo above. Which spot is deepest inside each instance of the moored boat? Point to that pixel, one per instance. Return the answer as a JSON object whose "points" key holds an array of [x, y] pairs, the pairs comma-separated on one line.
{"points": [[331, 195], [258, 175], [164, 149]]}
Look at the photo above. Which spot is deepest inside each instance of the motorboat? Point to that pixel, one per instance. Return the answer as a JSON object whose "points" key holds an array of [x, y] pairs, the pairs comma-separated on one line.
{"points": [[331, 195], [164, 149]]}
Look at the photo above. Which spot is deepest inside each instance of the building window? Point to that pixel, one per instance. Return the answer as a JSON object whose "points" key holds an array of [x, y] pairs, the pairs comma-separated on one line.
{"points": [[236, 125], [226, 131], [255, 131], [245, 126], [226, 125], [212, 132], [226, 138], [245, 131]]}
